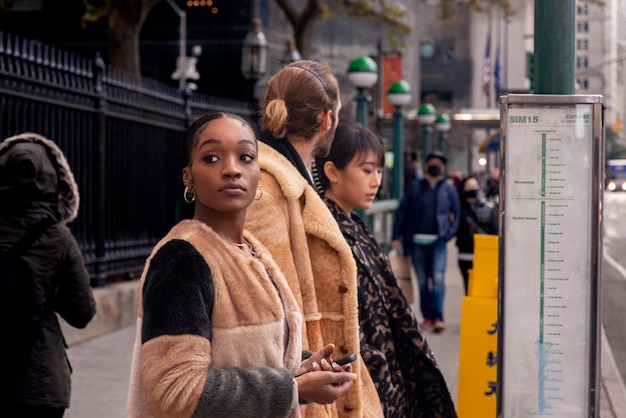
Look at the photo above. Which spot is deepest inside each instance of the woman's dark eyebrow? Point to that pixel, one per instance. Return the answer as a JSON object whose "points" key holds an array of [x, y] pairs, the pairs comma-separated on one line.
{"points": [[219, 141], [366, 162], [209, 141]]}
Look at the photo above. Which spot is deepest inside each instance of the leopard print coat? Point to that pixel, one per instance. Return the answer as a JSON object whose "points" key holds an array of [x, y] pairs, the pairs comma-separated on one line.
{"points": [[395, 350]]}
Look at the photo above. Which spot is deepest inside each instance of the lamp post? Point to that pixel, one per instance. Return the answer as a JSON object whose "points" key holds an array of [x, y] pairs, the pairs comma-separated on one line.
{"points": [[185, 66], [254, 56], [442, 125], [254, 52], [181, 62], [363, 73], [399, 94], [426, 116]]}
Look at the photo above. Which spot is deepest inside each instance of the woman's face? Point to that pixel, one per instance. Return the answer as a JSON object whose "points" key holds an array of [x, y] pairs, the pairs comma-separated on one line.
{"points": [[223, 170], [471, 185], [357, 184]]}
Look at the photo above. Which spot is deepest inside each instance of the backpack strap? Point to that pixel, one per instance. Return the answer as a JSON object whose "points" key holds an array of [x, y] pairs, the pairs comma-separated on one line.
{"points": [[32, 234]]}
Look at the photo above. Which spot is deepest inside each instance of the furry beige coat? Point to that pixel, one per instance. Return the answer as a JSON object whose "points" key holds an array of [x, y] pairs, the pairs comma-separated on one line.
{"points": [[214, 331], [293, 222]]}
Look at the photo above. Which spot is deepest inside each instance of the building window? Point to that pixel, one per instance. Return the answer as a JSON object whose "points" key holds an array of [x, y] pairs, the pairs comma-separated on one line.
{"points": [[582, 83], [583, 9], [582, 61], [582, 44], [582, 26]]}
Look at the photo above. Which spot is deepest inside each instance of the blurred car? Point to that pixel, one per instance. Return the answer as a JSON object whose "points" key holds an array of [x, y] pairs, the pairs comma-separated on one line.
{"points": [[616, 185], [616, 175]]}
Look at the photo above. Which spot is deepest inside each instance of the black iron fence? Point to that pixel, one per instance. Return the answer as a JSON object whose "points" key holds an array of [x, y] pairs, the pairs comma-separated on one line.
{"points": [[122, 137]]}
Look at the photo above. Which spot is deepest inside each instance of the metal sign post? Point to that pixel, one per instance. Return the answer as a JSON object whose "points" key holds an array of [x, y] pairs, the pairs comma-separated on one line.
{"points": [[550, 252]]}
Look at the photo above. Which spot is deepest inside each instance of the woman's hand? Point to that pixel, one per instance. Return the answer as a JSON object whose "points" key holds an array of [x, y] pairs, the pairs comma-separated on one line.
{"points": [[325, 386], [322, 381]]}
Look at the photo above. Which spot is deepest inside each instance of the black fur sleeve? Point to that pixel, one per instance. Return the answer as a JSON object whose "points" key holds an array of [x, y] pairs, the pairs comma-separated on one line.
{"points": [[178, 293], [259, 392]]}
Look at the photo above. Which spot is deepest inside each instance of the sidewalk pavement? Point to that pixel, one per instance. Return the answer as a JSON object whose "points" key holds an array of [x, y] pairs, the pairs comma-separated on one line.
{"points": [[102, 364]]}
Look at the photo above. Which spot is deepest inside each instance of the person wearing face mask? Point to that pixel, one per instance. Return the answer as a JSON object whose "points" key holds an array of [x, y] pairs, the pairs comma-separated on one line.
{"points": [[428, 217], [478, 216]]}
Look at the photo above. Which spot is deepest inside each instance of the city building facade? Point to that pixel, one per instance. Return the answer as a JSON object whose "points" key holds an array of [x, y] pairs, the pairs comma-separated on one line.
{"points": [[459, 67], [600, 55]]}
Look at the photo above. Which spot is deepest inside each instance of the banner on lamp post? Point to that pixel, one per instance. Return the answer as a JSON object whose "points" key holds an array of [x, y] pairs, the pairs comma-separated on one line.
{"points": [[390, 73]]}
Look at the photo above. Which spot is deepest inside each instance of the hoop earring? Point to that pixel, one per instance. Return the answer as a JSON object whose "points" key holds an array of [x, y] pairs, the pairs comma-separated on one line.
{"points": [[259, 193], [189, 195]]}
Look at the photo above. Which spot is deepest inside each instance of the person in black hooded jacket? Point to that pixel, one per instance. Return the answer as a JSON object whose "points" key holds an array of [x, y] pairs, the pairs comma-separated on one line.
{"points": [[36, 183], [478, 216]]}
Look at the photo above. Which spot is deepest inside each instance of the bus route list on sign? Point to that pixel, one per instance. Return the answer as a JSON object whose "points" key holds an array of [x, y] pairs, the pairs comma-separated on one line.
{"points": [[548, 174]]}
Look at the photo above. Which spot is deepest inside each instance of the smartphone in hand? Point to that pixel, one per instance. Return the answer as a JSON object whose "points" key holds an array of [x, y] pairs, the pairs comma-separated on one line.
{"points": [[347, 359], [341, 362]]}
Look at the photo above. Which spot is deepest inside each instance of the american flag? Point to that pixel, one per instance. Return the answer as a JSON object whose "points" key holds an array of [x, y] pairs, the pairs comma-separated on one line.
{"points": [[487, 67]]}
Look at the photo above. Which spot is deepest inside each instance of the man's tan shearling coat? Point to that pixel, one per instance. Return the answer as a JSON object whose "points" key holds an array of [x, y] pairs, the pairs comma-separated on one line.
{"points": [[293, 222]]}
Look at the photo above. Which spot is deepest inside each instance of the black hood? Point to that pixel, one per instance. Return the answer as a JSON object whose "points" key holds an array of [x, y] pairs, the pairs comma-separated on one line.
{"points": [[35, 176]]}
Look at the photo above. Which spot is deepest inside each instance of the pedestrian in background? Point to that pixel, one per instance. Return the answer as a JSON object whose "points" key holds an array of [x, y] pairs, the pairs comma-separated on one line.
{"points": [[395, 350], [478, 216], [492, 186], [411, 170], [36, 183], [219, 331], [428, 217], [302, 105]]}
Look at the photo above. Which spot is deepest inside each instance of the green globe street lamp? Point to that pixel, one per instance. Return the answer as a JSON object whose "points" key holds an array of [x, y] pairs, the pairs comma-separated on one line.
{"points": [[426, 116], [399, 94], [442, 125], [363, 73]]}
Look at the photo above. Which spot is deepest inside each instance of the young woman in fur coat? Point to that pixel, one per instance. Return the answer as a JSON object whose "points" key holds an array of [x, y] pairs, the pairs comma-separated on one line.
{"points": [[219, 331]]}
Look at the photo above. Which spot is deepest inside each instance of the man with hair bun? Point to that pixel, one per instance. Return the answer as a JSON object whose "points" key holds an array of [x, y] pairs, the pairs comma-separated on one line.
{"points": [[301, 114]]}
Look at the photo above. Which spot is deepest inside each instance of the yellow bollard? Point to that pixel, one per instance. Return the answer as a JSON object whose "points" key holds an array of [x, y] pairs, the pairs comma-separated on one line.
{"points": [[484, 280], [478, 341]]}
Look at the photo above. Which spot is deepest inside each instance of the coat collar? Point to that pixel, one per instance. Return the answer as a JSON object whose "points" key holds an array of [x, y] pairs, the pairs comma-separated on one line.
{"points": [[317, 219], [287, 150], [291, 182]]}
